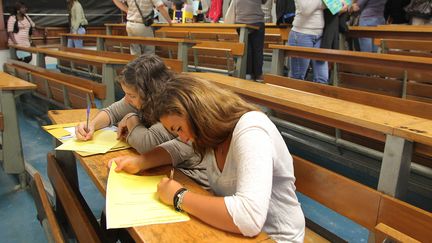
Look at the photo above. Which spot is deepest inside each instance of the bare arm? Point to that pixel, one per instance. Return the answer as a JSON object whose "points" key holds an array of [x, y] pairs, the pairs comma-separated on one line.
{"points": [[209, 209], [134, 164], [162, 9], [100, 121], [121, 5]]}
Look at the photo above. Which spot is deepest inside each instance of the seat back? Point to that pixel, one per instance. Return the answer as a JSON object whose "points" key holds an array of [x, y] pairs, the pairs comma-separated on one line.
{"points": [[45, 213], [78, 214]]}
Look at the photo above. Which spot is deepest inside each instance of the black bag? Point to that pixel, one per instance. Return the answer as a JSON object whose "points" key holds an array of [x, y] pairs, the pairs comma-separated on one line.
{"points": [[419, 8], [16, 28], [148, 19]]}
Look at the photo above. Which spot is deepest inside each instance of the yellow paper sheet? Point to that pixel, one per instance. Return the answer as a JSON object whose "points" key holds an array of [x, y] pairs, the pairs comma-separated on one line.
{"points": [[119, 146], [55, 126], [58, 132], [132, 201], [102, 142]]}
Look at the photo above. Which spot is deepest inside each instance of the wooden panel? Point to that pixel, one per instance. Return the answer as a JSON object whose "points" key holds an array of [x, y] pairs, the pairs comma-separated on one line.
{"points": [[419, 89], [377, 85], [382, 231], [237, 49], [382, 71], [98, 89], [40, 84], [8, 68], [425, 77], [22, 73], [407, 44], [405, 218], [44, 208], [349, 198], [76, 210]]}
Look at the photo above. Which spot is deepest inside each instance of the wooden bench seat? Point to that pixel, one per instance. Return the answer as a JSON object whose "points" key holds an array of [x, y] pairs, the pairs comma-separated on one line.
{"points": [[372, 209], [173, 64], [387, 74], [420, 48], [60, 89]]}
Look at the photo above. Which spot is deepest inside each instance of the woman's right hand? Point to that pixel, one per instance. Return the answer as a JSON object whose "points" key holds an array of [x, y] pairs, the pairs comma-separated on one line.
{"points": [[129, 164], [83, 132]]}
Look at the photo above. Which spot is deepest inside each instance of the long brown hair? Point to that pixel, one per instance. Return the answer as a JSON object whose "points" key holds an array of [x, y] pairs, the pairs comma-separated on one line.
{"points": [[212, 112], [146, 74]]}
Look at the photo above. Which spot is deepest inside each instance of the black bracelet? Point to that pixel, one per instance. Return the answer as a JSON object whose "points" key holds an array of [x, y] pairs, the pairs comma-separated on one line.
{"points": [[176, 198]]}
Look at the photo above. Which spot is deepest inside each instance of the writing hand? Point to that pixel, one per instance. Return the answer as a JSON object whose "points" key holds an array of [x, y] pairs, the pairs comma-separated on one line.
{"points": [[84, 133]]}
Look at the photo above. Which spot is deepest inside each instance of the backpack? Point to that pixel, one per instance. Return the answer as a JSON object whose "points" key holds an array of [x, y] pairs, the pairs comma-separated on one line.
{"points": [[16, 28]]}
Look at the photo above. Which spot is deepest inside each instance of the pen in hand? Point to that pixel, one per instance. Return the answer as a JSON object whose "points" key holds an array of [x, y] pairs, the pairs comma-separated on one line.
{"points": [[172, 174], [88, 116]]}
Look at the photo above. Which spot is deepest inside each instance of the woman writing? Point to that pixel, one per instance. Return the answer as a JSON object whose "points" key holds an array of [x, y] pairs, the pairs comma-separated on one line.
{"points": [[131, 114], [249, 167]]}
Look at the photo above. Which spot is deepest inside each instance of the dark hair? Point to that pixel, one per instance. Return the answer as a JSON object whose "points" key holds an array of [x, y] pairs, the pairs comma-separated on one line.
{"points": [[18, 6], [212, 112], [146, 74]]}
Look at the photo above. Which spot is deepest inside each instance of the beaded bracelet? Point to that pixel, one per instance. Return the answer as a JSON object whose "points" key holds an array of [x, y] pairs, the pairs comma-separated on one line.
{"points": [[178, 199]]}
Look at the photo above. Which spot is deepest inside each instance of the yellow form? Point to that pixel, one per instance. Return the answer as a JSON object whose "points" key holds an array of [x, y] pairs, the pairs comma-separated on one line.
{"points": [[132, 201], [102, 142]]}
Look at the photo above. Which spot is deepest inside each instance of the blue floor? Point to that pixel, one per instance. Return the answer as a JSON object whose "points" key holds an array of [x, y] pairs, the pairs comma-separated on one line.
{"points": [[18, 215]]}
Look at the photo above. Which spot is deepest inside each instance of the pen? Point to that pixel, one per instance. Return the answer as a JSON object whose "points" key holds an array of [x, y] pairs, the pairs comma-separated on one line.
{"points": [[172, 174], [88, 116]]}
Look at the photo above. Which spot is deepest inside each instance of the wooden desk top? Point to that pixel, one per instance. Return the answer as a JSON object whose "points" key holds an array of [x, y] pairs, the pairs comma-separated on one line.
{"points": [[359, 58], [79, 57], [391, 31], [131, 38], [207, 25], [376, 119], [9, 82], [193, 230]]}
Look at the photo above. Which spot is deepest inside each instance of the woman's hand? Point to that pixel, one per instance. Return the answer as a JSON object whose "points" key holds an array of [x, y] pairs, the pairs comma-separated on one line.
{"points": [[166, 190], [83, 132], [126, 125], [129, 164]]}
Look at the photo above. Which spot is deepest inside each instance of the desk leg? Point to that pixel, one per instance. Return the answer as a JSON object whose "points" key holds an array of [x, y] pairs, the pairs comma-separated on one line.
{"points": [[63, 41], [100, 44], [108, 30], [108, 77], [13, 54], [182, 54], [242, 60], [40, 60], [13, 159], [395, 167], [278, 60]]}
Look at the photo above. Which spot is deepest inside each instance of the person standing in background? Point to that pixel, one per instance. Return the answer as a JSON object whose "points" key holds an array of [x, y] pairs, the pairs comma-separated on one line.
{"points": [[250, 12], [307, 31], [138, 11], [371, 14], [420, 12], [77, 22], [267, 9], [19, 28], [215, 10], [394, 12]]}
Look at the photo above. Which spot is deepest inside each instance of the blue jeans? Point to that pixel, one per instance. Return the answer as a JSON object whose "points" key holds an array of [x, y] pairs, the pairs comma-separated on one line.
{"points": [[366, 44], [76, 42], [299, 66]]}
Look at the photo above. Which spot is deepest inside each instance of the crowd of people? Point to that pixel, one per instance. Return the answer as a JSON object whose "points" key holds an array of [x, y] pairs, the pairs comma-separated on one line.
{"points": [[210, 134]]}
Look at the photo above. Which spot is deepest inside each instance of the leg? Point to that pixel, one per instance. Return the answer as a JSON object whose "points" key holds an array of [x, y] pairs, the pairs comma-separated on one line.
{"points": [[135, 49], [320, 68], [147, 32], [257, 42], [366, 44], [80, 43], [299, 66]]}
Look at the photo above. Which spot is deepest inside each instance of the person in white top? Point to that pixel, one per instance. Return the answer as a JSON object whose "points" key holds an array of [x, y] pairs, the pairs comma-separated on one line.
{"points": [[139, 18], [250, 169]]}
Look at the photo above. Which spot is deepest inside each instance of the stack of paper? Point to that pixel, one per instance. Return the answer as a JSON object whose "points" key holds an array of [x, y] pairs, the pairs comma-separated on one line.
{"points": [[132, 201], [335, 6], [103, 140]]}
